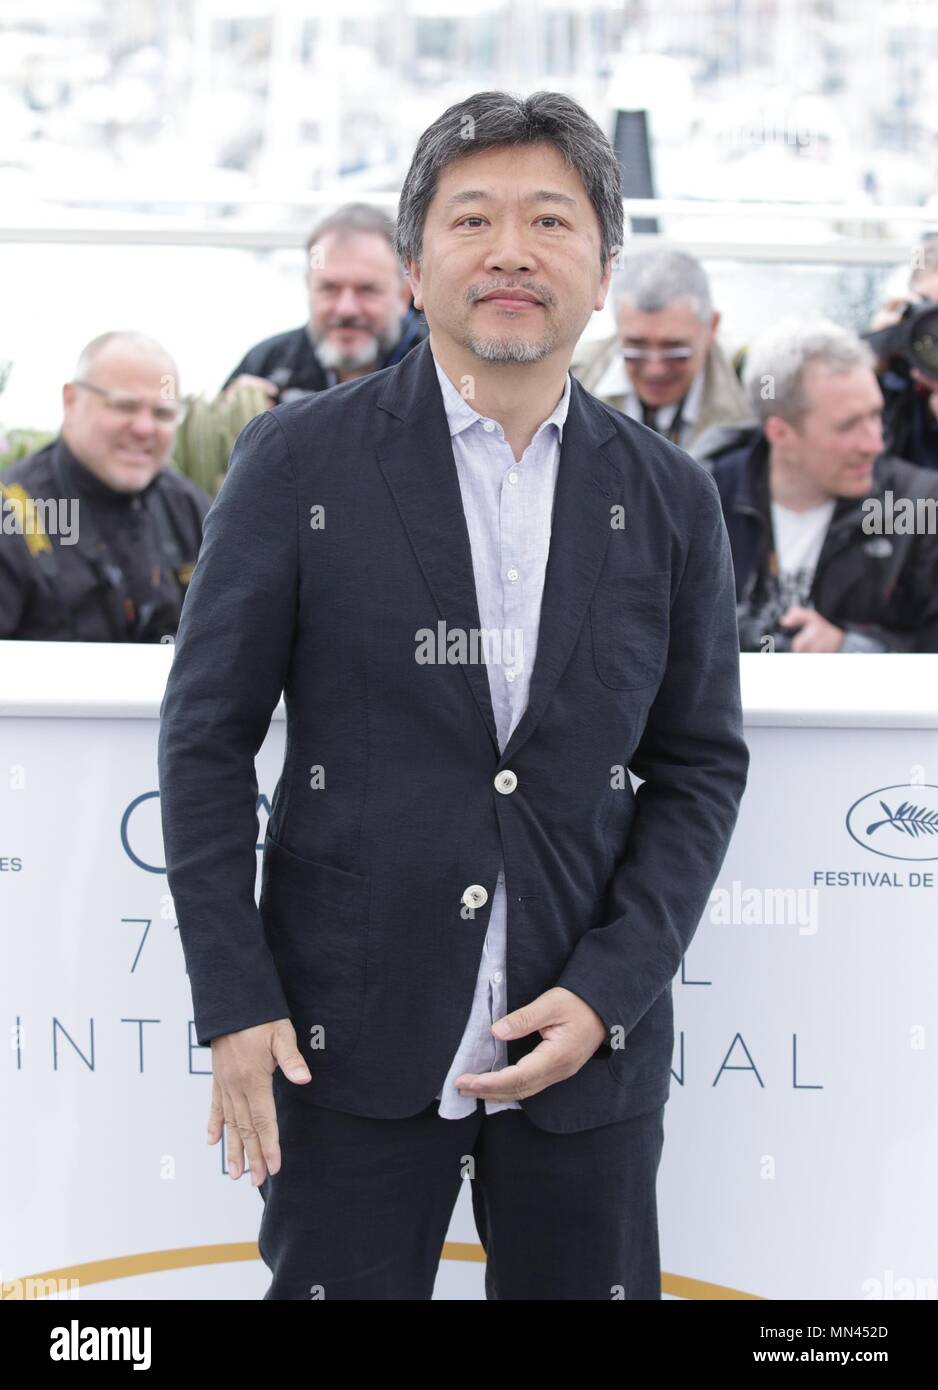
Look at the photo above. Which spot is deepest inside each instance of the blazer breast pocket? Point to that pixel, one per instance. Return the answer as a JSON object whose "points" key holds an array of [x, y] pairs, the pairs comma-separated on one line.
{"points": [[315, 918], [630, 625]]}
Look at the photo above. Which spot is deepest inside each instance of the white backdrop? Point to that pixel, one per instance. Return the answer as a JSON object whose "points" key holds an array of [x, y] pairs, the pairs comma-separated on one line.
{"points": [[802, 1132]]}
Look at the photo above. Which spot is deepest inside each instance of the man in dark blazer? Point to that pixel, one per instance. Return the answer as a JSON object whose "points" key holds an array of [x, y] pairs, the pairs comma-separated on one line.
{"points": [[357, 540]]}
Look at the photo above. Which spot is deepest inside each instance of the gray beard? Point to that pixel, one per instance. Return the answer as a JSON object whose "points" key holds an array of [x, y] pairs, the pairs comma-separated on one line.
{"points": [[331, 356], [505, 350]]}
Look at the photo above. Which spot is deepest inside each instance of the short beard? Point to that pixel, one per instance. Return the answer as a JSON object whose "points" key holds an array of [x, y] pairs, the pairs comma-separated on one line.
{"points": [[505, 350]]}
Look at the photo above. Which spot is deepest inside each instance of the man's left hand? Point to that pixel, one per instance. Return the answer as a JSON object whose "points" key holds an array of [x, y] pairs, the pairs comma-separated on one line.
{"points": [[571, 1031], [816, 635]]}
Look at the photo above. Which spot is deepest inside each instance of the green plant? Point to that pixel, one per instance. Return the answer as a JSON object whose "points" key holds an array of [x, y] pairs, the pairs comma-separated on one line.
{"points": [[207, 432], [17, 444]]}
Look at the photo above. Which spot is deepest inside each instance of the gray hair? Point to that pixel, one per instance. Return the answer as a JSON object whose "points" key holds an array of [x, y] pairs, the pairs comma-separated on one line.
{"points": [[651, 280], [778, 358], [487, 120], [123, 337], [353, 219]]}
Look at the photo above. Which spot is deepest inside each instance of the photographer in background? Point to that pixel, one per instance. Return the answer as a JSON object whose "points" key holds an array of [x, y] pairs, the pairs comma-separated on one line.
{"points": [[359, 314], [99, 534], [664, 365], [810, 500], [904, 335]]}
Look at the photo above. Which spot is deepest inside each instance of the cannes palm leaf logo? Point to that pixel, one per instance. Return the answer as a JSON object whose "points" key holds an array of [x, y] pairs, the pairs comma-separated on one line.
{"points": [[886, 822], [911, 820]]}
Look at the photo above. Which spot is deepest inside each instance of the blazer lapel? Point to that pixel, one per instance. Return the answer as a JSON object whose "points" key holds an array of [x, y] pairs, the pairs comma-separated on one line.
{"points": [[416, 458]]}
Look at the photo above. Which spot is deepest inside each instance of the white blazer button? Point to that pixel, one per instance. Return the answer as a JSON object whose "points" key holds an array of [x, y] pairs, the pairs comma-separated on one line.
{"points": [[506, 781], [475, 895]]}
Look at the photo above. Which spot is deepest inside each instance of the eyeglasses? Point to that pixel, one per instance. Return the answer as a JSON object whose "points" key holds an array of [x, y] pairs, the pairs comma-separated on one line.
{"points": [[678, 354], [168, 413]]}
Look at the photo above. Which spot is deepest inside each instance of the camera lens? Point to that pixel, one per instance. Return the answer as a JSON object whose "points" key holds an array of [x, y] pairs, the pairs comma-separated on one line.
{"points": [[923, 342]]}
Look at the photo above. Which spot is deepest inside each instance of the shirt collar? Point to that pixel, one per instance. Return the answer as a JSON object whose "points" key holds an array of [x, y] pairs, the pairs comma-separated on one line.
{"points": [[460, 414]]}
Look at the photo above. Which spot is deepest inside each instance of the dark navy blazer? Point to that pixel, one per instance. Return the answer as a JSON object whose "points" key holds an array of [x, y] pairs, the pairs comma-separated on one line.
{"points": [[386, 809]]}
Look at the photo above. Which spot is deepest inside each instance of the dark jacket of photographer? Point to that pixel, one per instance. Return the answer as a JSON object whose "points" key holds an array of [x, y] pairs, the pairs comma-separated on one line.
{"points": [[881, 588], [909, 427], [125, 577]]}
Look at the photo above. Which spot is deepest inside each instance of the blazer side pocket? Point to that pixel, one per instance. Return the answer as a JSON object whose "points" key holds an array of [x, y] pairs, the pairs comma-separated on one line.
{"points": [[630, 625], [315, 918]]}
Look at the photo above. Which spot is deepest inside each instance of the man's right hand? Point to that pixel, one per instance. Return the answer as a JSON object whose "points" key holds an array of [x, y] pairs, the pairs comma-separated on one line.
{"points": [[892, 310], [270, 388], [242, 1093]]}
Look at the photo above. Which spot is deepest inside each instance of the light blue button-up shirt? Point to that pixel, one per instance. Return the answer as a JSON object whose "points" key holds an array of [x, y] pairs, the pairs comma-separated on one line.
{"points": [[508, 508]]}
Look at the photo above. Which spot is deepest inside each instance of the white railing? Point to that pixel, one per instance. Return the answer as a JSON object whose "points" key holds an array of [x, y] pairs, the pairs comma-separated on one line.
{"points": [[860, 233]]}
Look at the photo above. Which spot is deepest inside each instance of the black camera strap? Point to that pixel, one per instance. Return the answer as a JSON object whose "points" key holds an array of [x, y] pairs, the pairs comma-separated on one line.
{"points": [[673, 432]]}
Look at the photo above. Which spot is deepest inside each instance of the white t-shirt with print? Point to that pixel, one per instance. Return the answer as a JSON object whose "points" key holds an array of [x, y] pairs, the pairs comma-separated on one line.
{"points": [[799, 537]]}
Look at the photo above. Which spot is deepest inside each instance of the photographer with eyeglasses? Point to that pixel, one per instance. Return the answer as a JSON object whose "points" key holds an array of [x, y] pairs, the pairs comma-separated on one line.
{"points": [[664, 365], [98, 534]]}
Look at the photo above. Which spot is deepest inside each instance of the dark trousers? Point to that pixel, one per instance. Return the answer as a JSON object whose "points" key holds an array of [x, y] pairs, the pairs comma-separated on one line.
{"points": [[360, 1207]]}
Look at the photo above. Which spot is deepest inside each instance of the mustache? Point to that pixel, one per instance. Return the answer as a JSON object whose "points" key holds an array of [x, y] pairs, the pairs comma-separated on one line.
{"points": [[539, 291]]}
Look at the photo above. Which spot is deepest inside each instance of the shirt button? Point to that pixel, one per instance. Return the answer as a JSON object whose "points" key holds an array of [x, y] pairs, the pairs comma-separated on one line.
{"points": [[510, 675], [512, 477], [475, 895], [512, 575], [488, 426], [506, 781], [497, 977]]}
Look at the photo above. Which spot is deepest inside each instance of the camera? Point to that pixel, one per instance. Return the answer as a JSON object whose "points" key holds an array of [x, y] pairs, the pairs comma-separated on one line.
{"points": [[280, 376], [758, 621], [914, 339]]}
